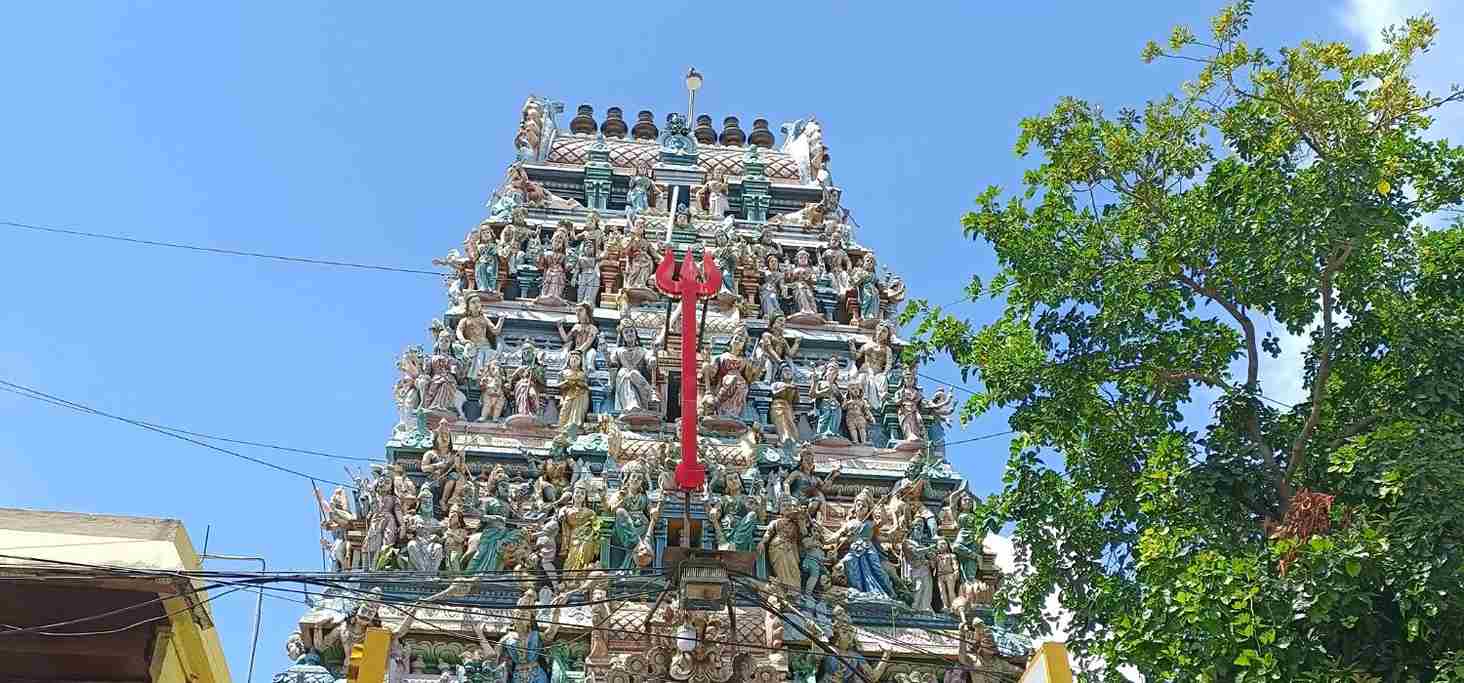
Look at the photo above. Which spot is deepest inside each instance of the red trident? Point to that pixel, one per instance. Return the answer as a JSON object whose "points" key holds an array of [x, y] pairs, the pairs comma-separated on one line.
{"points": [[690, 474]]}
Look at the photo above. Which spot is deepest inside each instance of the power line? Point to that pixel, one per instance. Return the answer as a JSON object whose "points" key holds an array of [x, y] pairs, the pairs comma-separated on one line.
{"points": [[28, 392], [225, 439], [215, 250]]}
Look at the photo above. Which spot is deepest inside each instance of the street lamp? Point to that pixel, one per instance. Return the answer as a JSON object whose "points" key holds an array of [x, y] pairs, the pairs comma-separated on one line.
{"points": [[693, 84]]}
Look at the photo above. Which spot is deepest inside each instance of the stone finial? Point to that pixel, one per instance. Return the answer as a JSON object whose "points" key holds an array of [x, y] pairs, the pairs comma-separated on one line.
{"points": [[704, 132], [614, 125], [645, 126], [584, 120], [760, 135], [731, 134]]}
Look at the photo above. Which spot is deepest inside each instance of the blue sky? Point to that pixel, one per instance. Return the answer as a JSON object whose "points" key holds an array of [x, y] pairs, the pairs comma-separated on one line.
{"points": [[375, 134]]}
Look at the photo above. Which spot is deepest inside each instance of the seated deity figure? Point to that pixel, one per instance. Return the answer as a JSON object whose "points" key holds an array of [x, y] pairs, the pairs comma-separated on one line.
{"points": [[727, 377], [633, 389]]}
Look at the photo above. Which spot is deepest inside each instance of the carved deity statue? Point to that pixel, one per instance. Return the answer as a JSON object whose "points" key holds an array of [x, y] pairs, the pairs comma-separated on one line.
{"points": [[534, 193], [727, 377], [642, 195], [583, 337], [804, 278], [875, 358], [773, 288], [782, 541], [773, 347], [857, 414], [711, 197], [486, 268], [869, 293], [587, 271], [578, 533], [441, 392], [478, 335], [781, 411], [640, 257], [554, 265], [633, 519], [849, 666], [836, 261], [574, 391], [734, 514], [633, 388], [527, 381], [492, 391], [863, 567], [522, 649], [828, 398]]}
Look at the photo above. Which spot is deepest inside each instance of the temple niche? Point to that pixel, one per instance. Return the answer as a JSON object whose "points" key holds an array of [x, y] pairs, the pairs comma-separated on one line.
{"points": [[537, 427]]}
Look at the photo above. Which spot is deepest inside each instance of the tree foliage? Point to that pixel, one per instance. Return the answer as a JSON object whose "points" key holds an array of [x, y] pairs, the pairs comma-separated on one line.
{"points": [[1144, 266]]}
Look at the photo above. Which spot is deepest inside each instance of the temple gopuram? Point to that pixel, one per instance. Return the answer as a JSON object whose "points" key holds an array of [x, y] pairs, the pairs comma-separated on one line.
{"points": [[526, 526]]}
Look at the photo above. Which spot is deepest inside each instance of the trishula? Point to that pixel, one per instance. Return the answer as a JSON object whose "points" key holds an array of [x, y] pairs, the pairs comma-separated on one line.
{"points": [[690, 474]]}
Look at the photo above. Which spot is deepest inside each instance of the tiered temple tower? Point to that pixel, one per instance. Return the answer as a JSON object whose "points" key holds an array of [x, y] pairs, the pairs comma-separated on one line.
{"points": [[537, 432]]}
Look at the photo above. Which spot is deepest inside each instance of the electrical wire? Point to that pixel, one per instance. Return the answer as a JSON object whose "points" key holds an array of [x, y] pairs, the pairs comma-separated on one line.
{"points": [[110, 631], [28, 392], [215, 250], [215, 437]]}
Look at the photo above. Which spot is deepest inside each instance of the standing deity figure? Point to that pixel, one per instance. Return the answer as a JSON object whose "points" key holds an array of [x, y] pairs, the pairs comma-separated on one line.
{"points": [[587, 272], [867, 293], [408, 398], [486, 269], [849, 664], [874, 359], [947, 573], [802, 484], [773, 347], [633, 389], [553, 265], [911, 406], [960, 507], [828, 398], [711, 197], [492, 391], [734, 514], [863, 567], [478, 335], [583, 337], [857, 414], [533, 251], [592, 232], [641, 196], [632, 516], [336, 518], [574, 391], [728, 252], [640, 257], [382, 524], [528, 381], [727, 377], [579, 530], [522, 649], [441, 393], [804, 277], [785, 401], [773, 288], [455, 539], [530, 131], [782, 541], [836, 261]]}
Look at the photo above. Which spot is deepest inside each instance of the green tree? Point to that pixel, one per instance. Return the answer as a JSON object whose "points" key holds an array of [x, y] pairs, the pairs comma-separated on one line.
{"points": [[1140, 265]]}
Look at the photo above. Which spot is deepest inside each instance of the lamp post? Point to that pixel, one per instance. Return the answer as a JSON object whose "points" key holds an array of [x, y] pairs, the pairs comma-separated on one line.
{"points": [[693, 84]]}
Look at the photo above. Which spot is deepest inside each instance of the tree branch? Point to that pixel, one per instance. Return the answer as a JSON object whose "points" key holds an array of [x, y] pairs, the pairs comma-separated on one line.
{"points": [[1324, 363]]}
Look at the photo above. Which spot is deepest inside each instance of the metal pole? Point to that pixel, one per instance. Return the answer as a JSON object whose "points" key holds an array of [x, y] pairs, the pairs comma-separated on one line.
{"points": [[258, 603]]}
